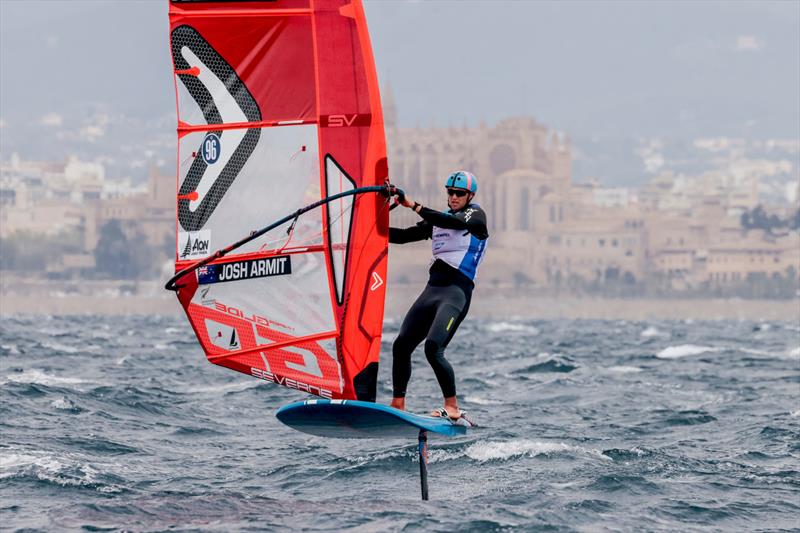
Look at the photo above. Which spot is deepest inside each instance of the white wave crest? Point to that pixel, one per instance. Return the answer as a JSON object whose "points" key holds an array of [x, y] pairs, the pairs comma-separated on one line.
{"points": [[753, 351], [489, 451], [622, 369], [62, 471], [38, 377], [477, 400], [11, 463], [500, 327], [651, 332], [788, 354], [58, 347], [684, 350], [12, 349], [63, 403]]}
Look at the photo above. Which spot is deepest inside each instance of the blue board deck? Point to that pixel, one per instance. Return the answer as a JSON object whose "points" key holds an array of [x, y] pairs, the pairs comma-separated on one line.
{"points": [[353, 419]]}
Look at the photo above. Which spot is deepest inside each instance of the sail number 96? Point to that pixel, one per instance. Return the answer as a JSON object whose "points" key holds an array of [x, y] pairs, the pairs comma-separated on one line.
{"points": [[211, 148]]}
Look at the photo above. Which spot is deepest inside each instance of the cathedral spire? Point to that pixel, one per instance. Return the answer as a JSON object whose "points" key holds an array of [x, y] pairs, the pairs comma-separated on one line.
{"points": [[554, 142]]}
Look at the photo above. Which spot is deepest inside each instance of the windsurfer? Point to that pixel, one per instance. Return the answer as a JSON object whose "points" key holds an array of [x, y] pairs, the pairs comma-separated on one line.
{"points": [[459, 238]]}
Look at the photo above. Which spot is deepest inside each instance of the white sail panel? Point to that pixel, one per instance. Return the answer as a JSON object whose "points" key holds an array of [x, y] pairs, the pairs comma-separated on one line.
{"points": [[293, 302], [340, 213], [281, 171]]}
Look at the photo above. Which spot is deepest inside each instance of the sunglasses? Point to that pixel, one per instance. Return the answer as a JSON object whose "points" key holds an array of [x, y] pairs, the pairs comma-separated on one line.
{"points": [[457, 192]]}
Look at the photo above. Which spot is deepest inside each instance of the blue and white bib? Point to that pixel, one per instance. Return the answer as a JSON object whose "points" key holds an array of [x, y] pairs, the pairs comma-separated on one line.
{"points": [[458, 248]]}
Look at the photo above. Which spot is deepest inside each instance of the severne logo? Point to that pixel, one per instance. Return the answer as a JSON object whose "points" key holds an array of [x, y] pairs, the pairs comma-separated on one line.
{"points": [[194, 244]]}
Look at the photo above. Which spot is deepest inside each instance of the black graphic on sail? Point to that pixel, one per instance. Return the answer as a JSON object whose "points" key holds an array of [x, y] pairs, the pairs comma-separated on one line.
{"points": [[187, 37], [188, 248]]}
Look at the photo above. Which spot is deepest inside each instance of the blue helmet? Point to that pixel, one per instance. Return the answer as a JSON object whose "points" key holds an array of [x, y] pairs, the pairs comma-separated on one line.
{"points": [[462, 180]]}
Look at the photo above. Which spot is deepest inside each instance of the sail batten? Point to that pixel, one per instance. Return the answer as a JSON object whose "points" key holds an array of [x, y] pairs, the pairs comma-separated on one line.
{"points": [[278, 108], [186, 128], [272, 346], [219, 13]]}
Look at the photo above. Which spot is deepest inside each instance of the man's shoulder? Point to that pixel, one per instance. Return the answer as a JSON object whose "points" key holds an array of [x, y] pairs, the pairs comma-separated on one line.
{"points": [[472, 210]]}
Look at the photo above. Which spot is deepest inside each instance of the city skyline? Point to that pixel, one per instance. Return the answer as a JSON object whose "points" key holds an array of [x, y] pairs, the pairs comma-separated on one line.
{"points": [[611, 75], [678, 233]]}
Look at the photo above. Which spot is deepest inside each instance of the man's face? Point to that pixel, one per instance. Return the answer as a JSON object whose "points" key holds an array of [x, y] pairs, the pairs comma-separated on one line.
{"points": [[457, 198]]}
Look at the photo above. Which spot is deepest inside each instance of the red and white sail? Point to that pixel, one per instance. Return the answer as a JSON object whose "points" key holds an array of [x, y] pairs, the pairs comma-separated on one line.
{"points": [[278, 107]]}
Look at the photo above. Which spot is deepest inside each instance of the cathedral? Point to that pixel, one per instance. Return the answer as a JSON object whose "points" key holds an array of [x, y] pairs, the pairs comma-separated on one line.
{"points": [[546, 231]]}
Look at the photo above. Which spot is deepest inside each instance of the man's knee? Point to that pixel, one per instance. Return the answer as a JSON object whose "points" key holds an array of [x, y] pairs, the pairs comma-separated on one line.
{"points": [[433, 350], [401, 347]]}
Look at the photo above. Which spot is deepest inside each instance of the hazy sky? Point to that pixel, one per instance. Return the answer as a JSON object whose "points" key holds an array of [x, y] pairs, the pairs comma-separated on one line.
{"points": [[675, 69]]}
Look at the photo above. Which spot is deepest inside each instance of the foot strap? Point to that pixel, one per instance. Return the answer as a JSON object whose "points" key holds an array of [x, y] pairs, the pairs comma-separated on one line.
{"points": [[462, 419]]}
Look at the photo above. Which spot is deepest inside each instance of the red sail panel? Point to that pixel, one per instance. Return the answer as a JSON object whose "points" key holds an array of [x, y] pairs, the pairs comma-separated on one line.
{"points": [[278, 107]]}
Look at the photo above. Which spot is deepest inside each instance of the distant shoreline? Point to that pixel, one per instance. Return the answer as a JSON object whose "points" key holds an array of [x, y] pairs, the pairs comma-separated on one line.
{"points": [[109, 298]]}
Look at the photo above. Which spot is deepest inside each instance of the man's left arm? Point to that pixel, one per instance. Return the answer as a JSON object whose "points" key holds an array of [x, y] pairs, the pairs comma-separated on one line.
{"points": [[472, 219]]}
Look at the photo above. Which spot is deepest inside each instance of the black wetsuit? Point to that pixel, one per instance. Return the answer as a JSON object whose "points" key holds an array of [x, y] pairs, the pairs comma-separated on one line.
{"points": [[438, 311]]}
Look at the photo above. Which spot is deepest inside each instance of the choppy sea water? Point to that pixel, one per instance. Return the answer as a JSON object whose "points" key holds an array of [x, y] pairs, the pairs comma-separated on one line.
{"points": [[119, 423]]}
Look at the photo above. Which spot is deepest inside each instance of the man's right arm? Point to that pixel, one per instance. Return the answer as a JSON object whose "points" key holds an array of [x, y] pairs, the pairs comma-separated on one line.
{"points": [[421, 231]]}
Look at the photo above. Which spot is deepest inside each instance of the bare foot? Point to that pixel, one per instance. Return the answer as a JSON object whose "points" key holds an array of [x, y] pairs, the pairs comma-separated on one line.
{"points": [[451, 406], [453, 412], [398, 403]]}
